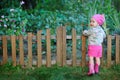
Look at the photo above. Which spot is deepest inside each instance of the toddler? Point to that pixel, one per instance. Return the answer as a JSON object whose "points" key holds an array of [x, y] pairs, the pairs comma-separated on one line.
{"points": [[95, 38]]}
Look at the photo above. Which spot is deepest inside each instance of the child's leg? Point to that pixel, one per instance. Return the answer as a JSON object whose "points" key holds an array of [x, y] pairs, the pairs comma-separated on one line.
{"points": [[97, 64], [91, 66], [91, 60]]}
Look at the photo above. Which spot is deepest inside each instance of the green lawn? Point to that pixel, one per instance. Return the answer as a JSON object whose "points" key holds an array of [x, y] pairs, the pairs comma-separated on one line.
{"points": [[8, 72]]}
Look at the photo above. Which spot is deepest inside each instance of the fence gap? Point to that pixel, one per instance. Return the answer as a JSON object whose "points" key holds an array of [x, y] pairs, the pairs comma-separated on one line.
{"points": [[29, 49], [4, 44], [109, 42], [13, 45], [73, 47], [39, 49], [48, 41]]}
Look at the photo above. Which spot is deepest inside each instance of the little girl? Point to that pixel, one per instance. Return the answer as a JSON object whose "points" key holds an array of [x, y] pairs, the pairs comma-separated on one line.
{"points": [[95, 38]]}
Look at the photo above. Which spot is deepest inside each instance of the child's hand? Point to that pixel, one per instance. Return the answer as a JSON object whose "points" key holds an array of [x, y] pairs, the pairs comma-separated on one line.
{"points": [[85, 32]]}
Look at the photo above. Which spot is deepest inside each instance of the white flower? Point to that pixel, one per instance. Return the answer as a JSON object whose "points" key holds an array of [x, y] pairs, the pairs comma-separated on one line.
{"points": [[11, 10], [5, 25], [14, 30], [6, 19], [2, 16], [22, 2]]}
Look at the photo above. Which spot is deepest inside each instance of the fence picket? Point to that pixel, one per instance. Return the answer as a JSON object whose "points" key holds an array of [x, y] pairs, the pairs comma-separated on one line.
{"points": [[117, 49], [21, 50], [29, 49], [102, 59], [64, 47], [73, 47], [109, 42], [5, 56], [13, 44], [39, 49], [83, 62], [48, 41], [59, 46]]}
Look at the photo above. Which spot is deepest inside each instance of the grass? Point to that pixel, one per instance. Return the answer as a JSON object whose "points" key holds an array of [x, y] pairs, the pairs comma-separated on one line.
{"points": [[8, 72]]}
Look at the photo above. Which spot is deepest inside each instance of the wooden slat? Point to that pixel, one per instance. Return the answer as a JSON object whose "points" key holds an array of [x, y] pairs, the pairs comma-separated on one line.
{"points": [[52, 37], [48, 41], [59, 46], [29, 49], [21, 48], [73, 47], [4, 44], [117, 50], [83, 61], [109, 42], [39, 49], [13, 44], [64, 47], [102, 59]]}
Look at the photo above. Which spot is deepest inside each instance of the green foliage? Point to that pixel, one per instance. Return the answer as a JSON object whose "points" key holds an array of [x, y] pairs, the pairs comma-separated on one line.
{"points": [[14, 22], [72, 14], [116, 22], [9, 4], [8, 67]]}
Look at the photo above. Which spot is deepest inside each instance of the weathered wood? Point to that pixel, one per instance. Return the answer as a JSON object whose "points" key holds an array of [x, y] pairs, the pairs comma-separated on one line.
{"points": [[13, 44], [29, 49], [48, 41], [59, 46], [83, 61], [4, 44], [39, 49], [64, 47], [21, 48], [109, 42], [102, 59], [117, 50], [43, 37], [73, 47]]}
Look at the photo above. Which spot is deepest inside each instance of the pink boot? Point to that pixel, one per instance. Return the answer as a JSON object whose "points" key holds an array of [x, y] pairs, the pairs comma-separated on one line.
{"points": [[96, 68], [91, 69]]}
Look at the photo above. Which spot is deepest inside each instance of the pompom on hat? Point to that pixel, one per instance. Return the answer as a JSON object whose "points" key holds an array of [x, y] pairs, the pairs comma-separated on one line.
{"points": [[99, 18]]}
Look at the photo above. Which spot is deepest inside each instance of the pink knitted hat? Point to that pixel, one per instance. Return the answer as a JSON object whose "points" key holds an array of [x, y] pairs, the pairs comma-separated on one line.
{"points": [[99, 18]]}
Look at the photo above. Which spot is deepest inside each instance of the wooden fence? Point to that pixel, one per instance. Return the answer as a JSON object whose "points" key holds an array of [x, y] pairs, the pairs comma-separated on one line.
{"points": [[61, 39]]}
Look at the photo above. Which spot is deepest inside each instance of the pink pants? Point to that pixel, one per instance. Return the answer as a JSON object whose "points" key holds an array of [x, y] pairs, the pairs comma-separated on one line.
{"points": [[95, 50]]}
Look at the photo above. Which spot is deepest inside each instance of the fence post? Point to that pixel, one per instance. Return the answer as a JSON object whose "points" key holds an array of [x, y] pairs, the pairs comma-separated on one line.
{"points": [[29, 49], [21, 50], [109, 42], [5, 56], [73, 47], [83, 51], [13, 44], [117, 50], [48, 38], [39, 49]]}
